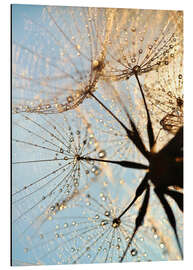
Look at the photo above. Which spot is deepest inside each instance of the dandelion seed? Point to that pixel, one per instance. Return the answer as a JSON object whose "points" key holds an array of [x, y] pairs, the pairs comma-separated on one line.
{"points": [[50, 151], [165, 97], [95, 238], [69, 61], [142, 48]]}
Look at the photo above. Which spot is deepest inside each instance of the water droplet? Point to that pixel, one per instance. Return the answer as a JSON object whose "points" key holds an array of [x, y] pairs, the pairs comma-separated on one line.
{"points": [[70, 99], [180, 76], [95, 63], [88, 203], [116, 223], [73, 249], [133, 29], [57, 235], [133, 59], [52, 208], [140, 51], [95, 170], [102, 154], [155, 236], [107, 213], [65, 225], [133, 252], [97, 216], [104, 222]]}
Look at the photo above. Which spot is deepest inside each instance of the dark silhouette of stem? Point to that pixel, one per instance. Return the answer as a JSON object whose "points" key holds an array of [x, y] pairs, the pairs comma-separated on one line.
{"points": [[139, 219], [141, 188], [132, 135], [149, 124], [170, 215], [123, 163]]}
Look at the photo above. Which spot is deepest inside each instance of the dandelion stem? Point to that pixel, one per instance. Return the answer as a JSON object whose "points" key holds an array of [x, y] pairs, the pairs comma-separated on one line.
{"points": [[111, 113], [131, 134], [123, 163], [141, 188], [149, 124]]}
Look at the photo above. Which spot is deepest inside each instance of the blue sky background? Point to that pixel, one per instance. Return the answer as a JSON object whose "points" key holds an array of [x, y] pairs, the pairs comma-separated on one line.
{"points": [[18, 19]]}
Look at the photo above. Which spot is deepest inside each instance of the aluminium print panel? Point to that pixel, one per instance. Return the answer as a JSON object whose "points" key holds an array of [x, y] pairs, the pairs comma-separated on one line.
{"points": [[97, 135]]}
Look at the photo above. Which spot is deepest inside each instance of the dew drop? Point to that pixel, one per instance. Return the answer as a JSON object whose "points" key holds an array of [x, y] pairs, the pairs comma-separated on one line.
{"points": [[57, 235], [104, 222], [162, 245], [133, 59], [107, 213], [116, 223], [102, 154], [95, 170], [133, 252], [133, 29], [70, 99]]}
